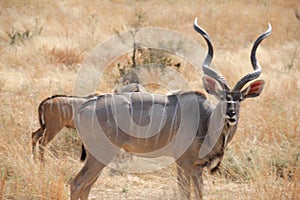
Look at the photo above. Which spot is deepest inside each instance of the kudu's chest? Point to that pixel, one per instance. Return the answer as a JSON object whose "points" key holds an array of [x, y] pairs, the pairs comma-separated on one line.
{"points": [[214, 147]]}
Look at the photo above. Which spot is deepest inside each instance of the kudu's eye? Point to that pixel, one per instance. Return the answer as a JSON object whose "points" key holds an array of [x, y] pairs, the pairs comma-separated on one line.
{"points": [[228, 98], [223, 98], [240, 98]]}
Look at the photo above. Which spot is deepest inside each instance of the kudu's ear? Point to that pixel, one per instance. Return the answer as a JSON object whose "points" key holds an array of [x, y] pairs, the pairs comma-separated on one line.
{"points": [[211, 86], [254, 89]]}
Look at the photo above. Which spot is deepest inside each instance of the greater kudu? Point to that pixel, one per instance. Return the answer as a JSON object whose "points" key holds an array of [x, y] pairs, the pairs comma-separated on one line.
{"points": [[57, 112], [146, 124]]}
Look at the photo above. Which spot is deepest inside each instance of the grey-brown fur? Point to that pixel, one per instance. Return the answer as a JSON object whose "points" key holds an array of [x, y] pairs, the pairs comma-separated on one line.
{"points": [[98, 117]]}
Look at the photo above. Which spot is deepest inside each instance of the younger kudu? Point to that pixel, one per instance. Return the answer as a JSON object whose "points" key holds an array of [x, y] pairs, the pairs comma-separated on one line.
{"points": [[57, 112]]}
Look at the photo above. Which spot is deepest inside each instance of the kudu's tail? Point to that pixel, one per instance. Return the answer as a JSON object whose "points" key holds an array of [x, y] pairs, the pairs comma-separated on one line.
{"points": [[83, 153], [41, 115]]}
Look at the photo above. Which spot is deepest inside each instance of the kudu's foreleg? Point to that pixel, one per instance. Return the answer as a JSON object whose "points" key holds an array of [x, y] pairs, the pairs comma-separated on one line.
{"points": [[84, 180], [183, 180], [198, 186], [86, 192]]}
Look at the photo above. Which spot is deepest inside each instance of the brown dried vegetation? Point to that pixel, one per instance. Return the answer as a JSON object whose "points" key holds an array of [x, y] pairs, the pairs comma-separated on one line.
{"points": [[262, 161]]}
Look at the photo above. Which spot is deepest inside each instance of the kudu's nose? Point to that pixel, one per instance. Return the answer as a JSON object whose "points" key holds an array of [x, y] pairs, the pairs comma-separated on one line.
{"points": [[231, 113], [231, 116]]}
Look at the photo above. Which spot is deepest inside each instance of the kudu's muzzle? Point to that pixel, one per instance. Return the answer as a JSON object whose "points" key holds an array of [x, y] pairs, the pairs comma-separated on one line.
{"points": [[231, 113]]}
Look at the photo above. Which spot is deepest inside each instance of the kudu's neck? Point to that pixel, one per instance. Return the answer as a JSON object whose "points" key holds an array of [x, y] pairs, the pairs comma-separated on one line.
{"points": [[219, 132]]}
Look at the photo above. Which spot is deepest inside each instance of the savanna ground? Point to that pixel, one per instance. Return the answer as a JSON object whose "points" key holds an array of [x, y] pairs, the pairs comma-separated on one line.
{"points": [[42, 45]]}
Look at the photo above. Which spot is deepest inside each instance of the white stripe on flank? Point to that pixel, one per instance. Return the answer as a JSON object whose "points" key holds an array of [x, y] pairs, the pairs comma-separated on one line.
{"points": [[70, 102], [113, 106], [161, 121], [141, 109], [42, 114], [51, 104], [141, 114], [151, 115], [94, 117], [60, 108], [173, 120], [107, 111], [131, 113], [64, 111]]}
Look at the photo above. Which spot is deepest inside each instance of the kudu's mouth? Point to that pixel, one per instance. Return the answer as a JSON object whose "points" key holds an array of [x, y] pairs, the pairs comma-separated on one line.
{"points": [[231, 120]]}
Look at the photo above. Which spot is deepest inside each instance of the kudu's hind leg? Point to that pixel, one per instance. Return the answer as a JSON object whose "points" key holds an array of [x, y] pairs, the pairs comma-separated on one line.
{"points": [[84, 180], [42, 145], [48, 135], [35, 137], [184, 184]]}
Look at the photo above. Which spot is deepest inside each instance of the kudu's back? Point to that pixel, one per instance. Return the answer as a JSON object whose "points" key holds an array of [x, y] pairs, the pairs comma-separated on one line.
{"points": [[143, 123]]}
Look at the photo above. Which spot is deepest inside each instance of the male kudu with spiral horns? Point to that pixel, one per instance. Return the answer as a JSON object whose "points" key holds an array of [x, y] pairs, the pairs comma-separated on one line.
{"points": [[209, 127]]}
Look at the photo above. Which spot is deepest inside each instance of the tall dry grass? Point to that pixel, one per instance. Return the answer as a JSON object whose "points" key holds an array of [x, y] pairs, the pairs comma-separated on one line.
{"points": [[43, 43]]}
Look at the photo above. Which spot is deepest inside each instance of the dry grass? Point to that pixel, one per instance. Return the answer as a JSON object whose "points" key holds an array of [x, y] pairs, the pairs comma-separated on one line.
{"points": [[52, 39]]}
